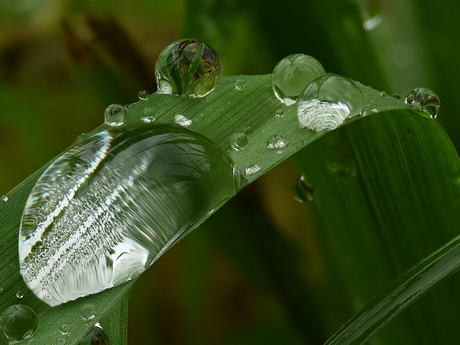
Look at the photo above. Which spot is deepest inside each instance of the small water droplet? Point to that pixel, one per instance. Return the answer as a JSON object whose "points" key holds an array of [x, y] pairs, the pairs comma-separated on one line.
{"points": [[114, 115], [188, 67], [19, 294], [252, 169], [5, 198], [164, 179], [65, 328], [240, 84], [239, 141], [149, 116], [383, 94], [303, 191], [276, 142], [327, 101], [143, 95], [397, 95], [279, 113], [96, 336], [18, 322], [292, 74], [182, 120], [425, 100], [88, 311], [61, 341]]}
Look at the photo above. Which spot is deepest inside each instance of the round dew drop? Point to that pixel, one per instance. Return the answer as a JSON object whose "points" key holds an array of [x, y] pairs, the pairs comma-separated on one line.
{"points": [[239, 141], [18, 322], [114, 115], [109, 207], [188, 67], [292, 74], [87, 311], [425, 100], [327, 101]]}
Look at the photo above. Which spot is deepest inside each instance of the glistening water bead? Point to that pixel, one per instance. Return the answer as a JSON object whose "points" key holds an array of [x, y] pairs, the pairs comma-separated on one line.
{"points": [[110, 206], [425, 100], [115, 115], [188, 67], [292, 74], [18, 322], [327, 101], [97, 336]]}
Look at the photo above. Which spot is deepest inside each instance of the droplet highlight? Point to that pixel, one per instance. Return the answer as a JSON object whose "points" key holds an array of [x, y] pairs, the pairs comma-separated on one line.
{"points": [[19, 294], [182, 120], [327, 101], [109, 207], [292, 74], [143, 95], [96, 336], [240, 84], [303, 191], [188, 67], [18, 322], [276, 142], [4, 198], [250, 170], [425, 100], [114, 115], [149, 115], [239, 141]]}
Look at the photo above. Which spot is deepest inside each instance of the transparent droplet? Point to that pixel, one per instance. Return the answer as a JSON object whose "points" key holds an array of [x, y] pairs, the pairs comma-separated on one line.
{"points": [[96, 336], [188, 67], [276, 142], [240, 84], [425, 100], [327, 101], [19, 294], [252, 169], [149, 115], [88, 311], [65, 328], [114, 115], [303, 191], [397, 95], [239, 141], [182, 120], [106, 209], [61, 341], [18, 322], [5, 198], [292, 74], [143, 95]]}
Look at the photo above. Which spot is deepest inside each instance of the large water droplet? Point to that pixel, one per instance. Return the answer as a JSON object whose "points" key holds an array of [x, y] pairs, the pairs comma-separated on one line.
{"points": [[18, 322], [188, 67], [292, 74], [114, 115], [425, 100], [182, 120], [327, 101], [97, 336], [109, 207], [65, 328], [239, 141], [303, 191]]}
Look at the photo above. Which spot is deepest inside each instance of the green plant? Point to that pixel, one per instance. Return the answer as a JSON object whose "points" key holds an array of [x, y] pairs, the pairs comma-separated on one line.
{"points": [[386, 186]]}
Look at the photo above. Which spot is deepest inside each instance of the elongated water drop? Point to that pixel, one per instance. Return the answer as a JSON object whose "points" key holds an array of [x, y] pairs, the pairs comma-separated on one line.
{"points": [[327, 101], [188, 67], [114, 115], [18, 322], [303, 191], [109, 207], [425, 100], [97, 336], [292, 74]]}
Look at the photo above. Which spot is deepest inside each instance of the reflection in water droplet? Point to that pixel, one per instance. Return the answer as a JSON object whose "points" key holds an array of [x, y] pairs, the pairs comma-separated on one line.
{"points": [[143, 95], [5, 198], [97, 336], [110, 206], [114, 115], [292, 74], [425, 100], [303, 191], [239, 141], [88, 311], [188, 67], [327, 101], [182, 120], [276, 142], [252, 169], [19, 294], [240, 84], [18, 322], [397, 95]]}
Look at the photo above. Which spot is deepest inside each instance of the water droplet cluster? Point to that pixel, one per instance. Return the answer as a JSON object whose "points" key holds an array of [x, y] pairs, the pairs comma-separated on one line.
{"points": [[188, 67], [18, 322], [106, 209]]}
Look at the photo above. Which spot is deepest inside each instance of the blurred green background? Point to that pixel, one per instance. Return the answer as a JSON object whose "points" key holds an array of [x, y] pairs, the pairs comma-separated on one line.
{"points": [[260, 271]]}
